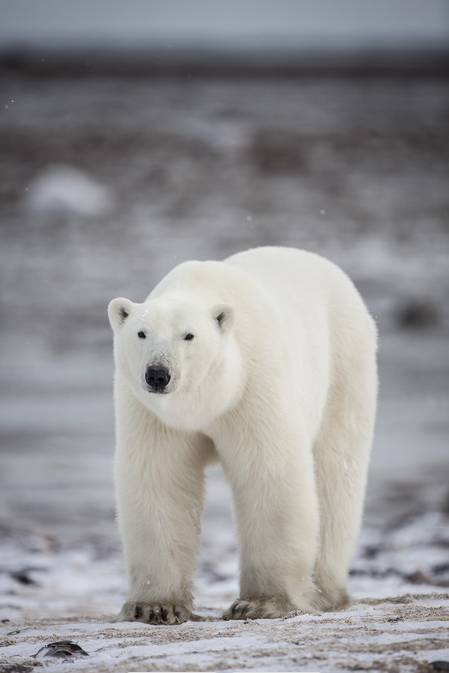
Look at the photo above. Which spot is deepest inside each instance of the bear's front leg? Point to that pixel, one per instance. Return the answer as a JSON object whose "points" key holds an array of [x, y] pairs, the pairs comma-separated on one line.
{"points": [[159, 486], [271, 473]]}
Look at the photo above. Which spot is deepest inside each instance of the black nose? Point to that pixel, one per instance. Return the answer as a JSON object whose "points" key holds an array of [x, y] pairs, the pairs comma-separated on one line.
{"points": [[157, 377]]}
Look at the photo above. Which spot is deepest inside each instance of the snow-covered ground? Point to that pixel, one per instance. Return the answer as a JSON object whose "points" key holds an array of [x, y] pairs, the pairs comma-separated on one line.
{"points": [[354, 169], [398, 617]]}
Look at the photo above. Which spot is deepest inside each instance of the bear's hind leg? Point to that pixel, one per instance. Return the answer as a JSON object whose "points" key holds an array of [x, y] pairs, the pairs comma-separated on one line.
{"points": [[341, 455]]}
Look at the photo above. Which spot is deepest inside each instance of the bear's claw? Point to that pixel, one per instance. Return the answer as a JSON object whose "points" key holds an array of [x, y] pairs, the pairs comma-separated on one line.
{"points": [[153, 613]]}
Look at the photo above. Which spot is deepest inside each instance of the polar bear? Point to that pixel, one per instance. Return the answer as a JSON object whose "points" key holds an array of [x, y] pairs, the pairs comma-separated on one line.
{"points": [[266, 362]]}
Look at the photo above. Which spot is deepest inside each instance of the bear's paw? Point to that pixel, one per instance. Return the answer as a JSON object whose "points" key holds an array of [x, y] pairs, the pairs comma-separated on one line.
{"points": [[259, 608], [153, 613]]}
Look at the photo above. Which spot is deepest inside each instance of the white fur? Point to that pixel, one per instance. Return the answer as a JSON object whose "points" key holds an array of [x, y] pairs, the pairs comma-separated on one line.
{"points": [[282, 390]]}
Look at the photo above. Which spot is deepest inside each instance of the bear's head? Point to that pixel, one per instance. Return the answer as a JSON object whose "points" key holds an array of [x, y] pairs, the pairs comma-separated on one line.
{"points": [[180, 358]]}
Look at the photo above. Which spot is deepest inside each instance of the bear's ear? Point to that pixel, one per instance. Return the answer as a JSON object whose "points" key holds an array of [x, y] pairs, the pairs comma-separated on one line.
{"points": [[118, 311], [224, 317]]}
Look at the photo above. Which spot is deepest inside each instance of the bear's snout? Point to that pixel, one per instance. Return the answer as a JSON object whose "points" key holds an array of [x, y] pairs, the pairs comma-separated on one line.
{"points": [[157, 378]]}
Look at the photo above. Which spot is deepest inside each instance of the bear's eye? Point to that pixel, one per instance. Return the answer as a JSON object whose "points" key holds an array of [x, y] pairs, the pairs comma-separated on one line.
{"points": [[189, 336], [141, 334]]}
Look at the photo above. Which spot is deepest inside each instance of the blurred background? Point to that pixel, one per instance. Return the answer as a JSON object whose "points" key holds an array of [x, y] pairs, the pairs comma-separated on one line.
{"points": [[136, 135]]}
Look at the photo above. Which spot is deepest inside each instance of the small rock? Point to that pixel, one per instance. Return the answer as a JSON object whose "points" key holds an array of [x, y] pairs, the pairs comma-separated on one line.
{"points": [[440, 568], [440, 666], [62, 649], [273, 151], [16, 668], [418, 314], [23, 577], [371, 551], [418, 577]]}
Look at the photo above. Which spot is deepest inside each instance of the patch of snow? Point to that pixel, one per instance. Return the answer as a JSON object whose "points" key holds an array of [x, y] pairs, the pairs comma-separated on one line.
{"points": [[65, 190]]}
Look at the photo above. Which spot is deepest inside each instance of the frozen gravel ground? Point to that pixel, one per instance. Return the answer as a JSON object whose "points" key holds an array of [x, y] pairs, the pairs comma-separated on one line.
{"points": [[354, 169], [398, 619]]}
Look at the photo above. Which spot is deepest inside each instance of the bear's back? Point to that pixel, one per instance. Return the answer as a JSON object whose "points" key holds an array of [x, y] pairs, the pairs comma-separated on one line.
{"points": [[312, 293], [303, 279]]}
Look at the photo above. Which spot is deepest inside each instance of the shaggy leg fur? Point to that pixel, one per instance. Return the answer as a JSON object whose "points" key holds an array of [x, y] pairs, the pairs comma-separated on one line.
{"points": [[341, 459], [272, 497], [159, 482]]}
